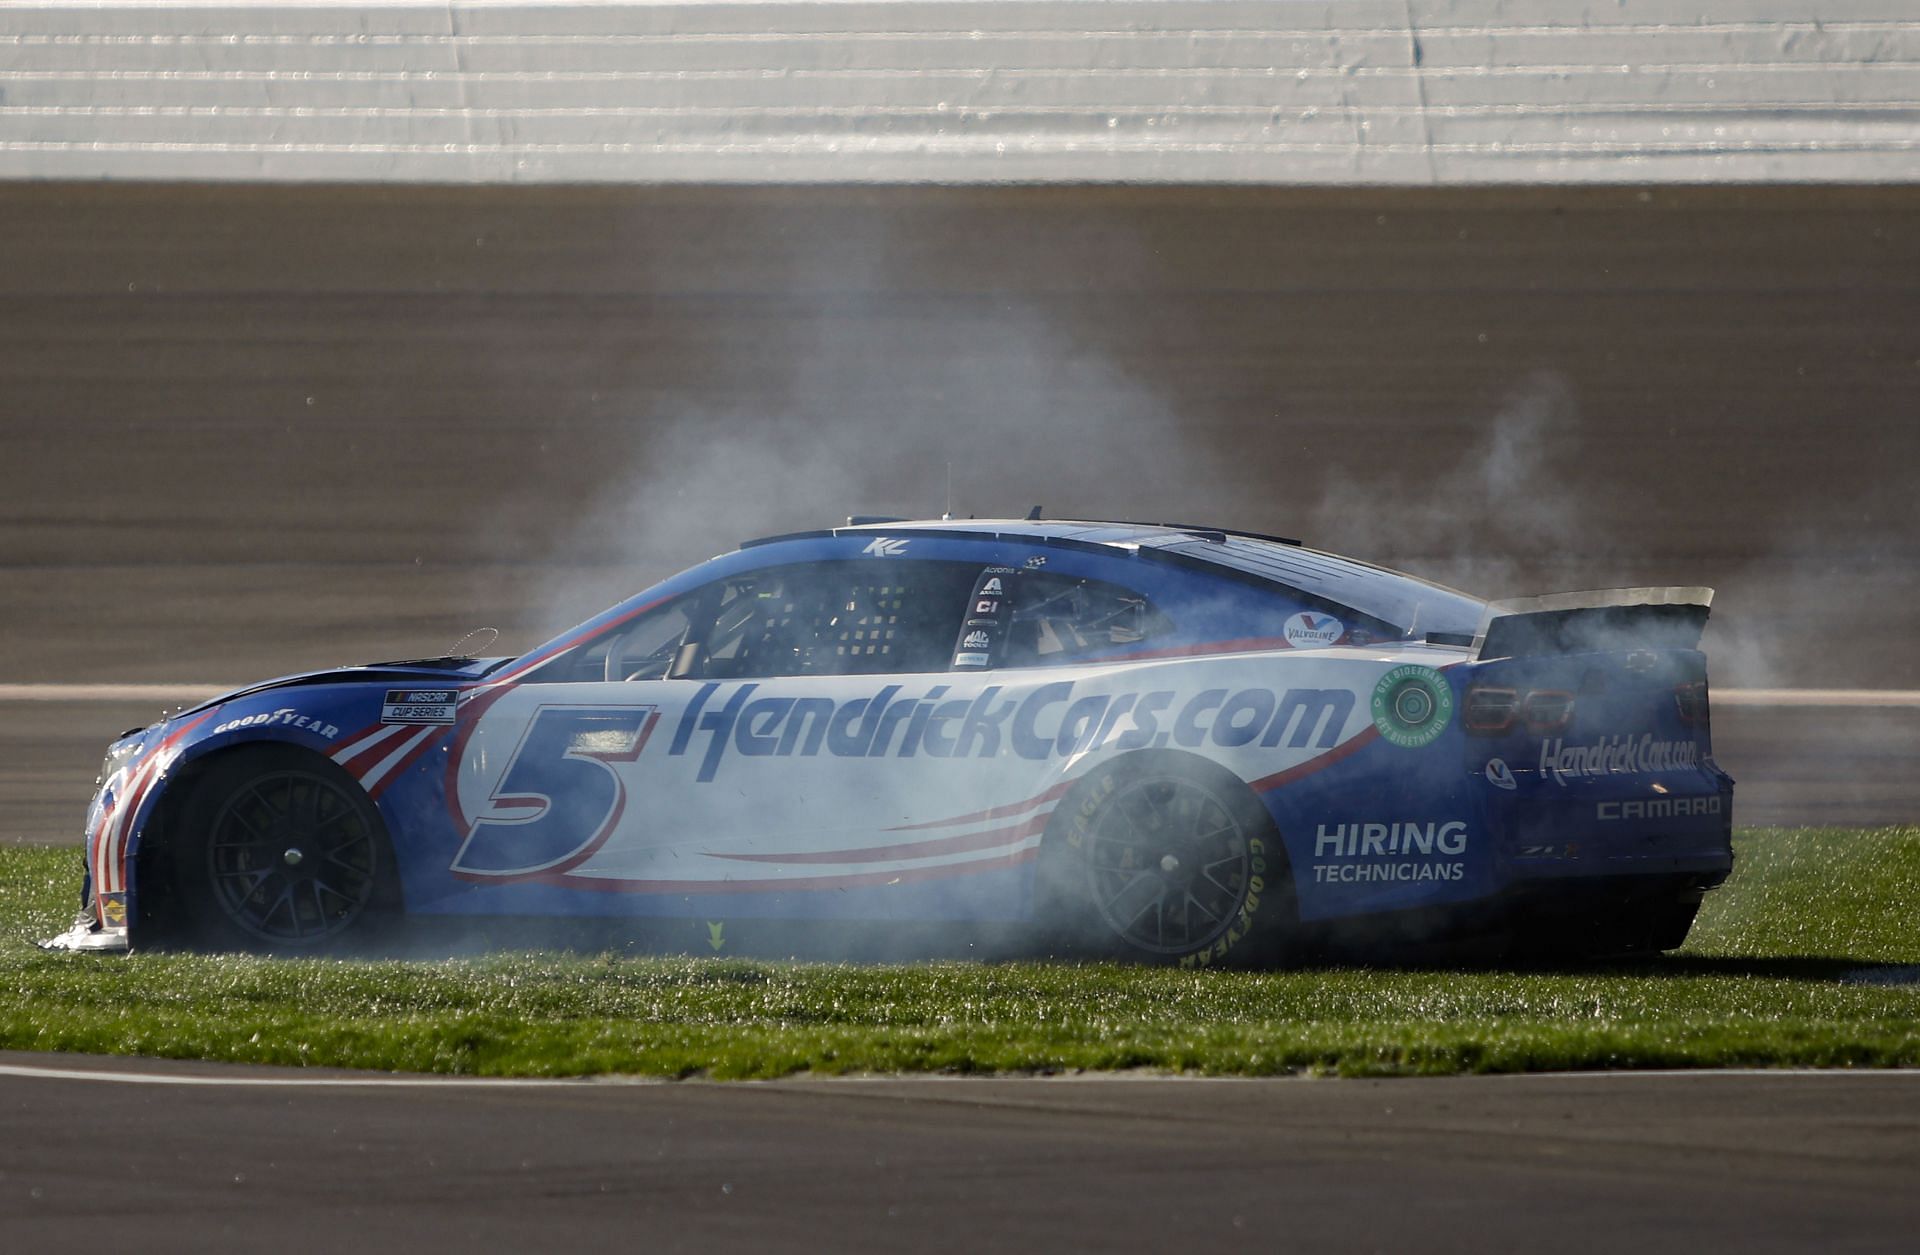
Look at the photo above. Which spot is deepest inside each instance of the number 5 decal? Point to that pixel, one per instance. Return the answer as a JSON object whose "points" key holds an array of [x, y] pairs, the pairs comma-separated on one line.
{"points": [[557, 800]]}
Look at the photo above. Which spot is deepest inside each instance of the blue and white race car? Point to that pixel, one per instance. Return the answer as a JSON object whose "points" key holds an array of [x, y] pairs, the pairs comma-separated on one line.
{"points": [[1156, 742]]}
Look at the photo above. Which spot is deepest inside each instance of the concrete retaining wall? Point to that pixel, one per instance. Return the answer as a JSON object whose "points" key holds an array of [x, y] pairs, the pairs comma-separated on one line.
{"points": [[1415, 92]]}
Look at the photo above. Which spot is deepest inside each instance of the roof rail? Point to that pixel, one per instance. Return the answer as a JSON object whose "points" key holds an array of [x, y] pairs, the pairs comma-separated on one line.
{"points": [[757, 541], [1212, 535], [1215, 534]]}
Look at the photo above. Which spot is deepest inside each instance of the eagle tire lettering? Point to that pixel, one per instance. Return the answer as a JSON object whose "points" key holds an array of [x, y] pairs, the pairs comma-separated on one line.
{"points": [[1080, 826]]}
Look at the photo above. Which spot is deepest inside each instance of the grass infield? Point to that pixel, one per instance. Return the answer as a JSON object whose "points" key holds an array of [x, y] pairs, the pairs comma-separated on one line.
{"points": [[1809, 956]]}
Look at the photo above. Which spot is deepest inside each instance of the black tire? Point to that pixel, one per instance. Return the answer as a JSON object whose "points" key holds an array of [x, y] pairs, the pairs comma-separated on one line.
{"points": [[280, 851], [1166, 858]]}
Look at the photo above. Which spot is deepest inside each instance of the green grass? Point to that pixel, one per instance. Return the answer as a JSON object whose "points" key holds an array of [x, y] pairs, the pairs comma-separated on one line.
{"points": [[1771, 977]]}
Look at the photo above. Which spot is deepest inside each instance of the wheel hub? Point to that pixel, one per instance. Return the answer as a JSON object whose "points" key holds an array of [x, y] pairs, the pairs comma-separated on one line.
{"points": [[290, 859], [1168, 865]]}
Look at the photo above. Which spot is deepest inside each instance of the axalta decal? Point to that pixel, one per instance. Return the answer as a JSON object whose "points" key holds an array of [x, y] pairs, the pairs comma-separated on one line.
{"points": [[1616, 755], [1047, 722], [1353, 853], [286, 715]]}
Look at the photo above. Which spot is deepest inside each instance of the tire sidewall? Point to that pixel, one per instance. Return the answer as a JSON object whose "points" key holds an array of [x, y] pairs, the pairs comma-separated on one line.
{"points": [[1265, 916], [203, 920]]}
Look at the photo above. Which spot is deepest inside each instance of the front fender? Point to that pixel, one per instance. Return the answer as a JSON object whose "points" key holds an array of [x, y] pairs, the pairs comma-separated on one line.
{"points": [[320, 720]]}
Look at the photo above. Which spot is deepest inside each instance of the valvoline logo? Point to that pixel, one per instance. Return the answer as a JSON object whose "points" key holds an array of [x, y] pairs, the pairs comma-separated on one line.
{"points": [[1307, 630]]}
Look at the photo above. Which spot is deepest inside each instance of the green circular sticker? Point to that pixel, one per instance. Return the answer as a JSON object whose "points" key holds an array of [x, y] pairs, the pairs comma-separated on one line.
{"points": [[1412, 705]]}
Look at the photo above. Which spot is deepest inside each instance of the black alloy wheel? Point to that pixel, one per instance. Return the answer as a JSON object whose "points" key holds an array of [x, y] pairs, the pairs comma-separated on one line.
{"points": [[1177, 861], [283, 853]]}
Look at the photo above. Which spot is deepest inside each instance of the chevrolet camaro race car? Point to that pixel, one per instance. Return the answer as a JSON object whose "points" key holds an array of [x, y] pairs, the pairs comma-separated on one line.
{"points": [[1154, 742]]}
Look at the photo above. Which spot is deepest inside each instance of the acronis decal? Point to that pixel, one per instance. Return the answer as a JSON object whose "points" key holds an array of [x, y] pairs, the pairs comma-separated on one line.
{"points": [[1047, 722]]}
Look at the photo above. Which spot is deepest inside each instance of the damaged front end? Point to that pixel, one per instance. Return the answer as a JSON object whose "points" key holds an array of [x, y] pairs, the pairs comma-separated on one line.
{"points": [[126, 775], [88, 934]]}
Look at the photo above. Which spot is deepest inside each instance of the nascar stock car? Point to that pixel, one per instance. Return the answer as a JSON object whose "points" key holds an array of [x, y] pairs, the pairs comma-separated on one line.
{"points": [[1155, 742]]}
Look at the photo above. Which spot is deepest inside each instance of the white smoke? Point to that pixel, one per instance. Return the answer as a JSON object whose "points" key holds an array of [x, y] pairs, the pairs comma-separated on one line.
{"points": [[1492, 515], [1013, 415]]}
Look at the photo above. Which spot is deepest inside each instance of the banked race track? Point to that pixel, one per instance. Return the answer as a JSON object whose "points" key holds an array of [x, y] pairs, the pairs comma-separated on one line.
{"points": [[252, 430]]}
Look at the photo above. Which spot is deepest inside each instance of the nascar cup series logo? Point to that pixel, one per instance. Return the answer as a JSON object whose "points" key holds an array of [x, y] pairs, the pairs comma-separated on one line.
{"points": [[1313, 631], [1412, 706]]}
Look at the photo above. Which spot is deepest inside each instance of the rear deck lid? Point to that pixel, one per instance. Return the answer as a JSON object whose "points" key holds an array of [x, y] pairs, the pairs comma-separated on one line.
{"points": [[1611, 620]]}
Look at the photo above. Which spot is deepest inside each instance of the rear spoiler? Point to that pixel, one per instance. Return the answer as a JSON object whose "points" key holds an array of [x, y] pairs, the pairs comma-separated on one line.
{"points": [[1593, 622]]}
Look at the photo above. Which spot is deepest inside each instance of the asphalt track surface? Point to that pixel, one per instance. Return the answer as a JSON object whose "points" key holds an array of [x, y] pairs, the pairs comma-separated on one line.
{"points": [[1664, 1162], [252, 430], [249, 430]]}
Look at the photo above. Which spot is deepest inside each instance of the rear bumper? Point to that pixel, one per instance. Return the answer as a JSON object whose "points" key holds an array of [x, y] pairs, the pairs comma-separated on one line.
{"points": [[1584, 917], [1608, 829], [1661, 856], [1605, 915], [1545, 904]]}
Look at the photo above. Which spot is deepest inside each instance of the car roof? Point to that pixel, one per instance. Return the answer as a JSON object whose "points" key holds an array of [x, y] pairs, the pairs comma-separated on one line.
{"points": [[1389, 595], [1090, 531], [1105, 531]]}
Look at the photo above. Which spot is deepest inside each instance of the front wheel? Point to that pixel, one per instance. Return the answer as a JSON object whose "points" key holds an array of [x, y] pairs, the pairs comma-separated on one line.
{"points": [[282, 852], [1164, 858]]}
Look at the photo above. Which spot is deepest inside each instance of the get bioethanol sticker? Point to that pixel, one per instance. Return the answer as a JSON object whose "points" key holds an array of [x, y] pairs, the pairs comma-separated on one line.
{"points": [[1412, 705]]}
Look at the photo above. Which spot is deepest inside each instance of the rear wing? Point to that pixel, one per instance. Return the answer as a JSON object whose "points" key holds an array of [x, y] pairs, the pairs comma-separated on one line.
{"points": [[1593, 622]]}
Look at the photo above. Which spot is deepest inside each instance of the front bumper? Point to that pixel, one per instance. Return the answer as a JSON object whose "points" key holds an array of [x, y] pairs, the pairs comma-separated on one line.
{"points": [[88, 935]]}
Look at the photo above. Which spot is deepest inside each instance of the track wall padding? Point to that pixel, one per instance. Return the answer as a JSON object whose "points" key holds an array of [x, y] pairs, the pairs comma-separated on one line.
{"points": [[249, 429], [1368, 92]]}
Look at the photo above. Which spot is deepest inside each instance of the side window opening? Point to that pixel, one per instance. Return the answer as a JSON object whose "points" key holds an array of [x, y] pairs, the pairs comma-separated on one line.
{"points": [[1059, 619], [829, 618], [646, 650], [871, 617], [867, 631]]}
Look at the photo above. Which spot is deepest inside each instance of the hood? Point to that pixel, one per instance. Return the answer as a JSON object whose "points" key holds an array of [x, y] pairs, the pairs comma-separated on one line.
{"points": [[409, 671]]}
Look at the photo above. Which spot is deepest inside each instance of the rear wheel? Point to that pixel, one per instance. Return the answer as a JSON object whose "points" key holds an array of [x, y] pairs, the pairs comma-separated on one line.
{"points": [[1164, 858], [281, 851]]}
